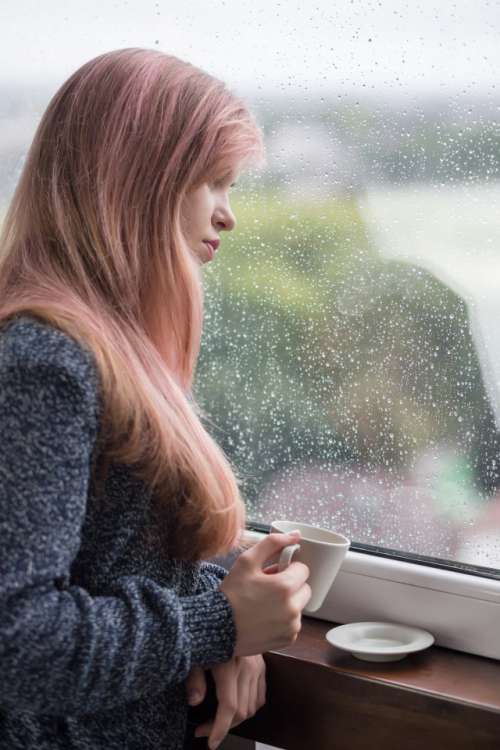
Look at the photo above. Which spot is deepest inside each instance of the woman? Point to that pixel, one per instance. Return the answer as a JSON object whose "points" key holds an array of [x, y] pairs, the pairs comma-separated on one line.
{"points": [[111, 492]]}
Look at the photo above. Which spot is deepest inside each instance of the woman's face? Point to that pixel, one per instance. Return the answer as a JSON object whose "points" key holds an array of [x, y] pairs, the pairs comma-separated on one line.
{"points": [[205, 213]]}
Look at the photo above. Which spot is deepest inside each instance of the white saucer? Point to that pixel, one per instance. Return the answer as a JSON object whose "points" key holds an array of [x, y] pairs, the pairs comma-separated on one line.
{"points": [[379, 641]]}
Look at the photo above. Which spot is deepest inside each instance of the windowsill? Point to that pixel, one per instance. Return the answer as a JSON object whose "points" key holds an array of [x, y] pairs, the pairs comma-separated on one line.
{"points": [[319, 697], [461, 611]]}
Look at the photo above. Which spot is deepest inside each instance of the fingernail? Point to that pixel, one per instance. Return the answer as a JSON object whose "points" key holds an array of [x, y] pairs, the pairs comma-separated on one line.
{"points": [[295, 531], [193, 696]]}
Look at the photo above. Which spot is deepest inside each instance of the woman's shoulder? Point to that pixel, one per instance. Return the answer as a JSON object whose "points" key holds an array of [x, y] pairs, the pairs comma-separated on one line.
{"points": [[28, 342]]}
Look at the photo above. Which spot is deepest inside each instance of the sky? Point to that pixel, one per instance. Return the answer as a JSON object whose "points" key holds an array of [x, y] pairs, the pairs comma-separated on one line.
{"points": [[319, 47]]}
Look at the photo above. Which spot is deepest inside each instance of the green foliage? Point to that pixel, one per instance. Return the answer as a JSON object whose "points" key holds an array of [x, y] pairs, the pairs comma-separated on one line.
{"points": [[315, 349]]}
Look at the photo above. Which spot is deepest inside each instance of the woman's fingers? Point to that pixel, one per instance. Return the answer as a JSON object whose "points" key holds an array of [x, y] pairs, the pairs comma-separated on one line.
{"points": [[227, 696], [261, 689], [302, 597], [271, 569], [245, 683], [253, 697], [241, 691], [196, 686], [254, 688], [269, 547]]}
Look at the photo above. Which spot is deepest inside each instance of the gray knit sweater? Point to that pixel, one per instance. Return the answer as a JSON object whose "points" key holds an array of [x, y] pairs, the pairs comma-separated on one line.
{"points": [[97, 631]]}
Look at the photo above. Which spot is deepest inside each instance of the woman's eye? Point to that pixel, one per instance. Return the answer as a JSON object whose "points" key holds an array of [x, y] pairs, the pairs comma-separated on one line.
{"points": [[222, 182]]}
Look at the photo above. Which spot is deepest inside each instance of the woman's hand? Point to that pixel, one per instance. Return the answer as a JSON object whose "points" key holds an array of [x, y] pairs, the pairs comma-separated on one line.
{"points": [[267, 609], [241, 690]]}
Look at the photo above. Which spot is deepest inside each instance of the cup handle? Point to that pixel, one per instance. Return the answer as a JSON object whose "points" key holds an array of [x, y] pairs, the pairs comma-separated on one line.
{"points": [[286, 556]]}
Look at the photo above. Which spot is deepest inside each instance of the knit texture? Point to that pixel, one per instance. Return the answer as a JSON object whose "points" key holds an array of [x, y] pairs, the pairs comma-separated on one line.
{"points": [[98, 630]]}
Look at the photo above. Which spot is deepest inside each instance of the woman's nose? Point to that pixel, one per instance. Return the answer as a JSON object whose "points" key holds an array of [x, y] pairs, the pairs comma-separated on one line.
{"points": [[224, 220]]}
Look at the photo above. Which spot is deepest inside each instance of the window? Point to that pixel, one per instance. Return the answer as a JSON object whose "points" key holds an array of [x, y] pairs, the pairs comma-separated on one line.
{"points": [[351, 361]]}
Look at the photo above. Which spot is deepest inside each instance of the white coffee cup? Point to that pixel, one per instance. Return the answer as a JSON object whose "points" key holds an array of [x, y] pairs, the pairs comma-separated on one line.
{"points": [[321, 550]]}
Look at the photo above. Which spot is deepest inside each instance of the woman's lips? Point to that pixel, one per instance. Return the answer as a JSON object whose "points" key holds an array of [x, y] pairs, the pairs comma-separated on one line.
{"points": [[212, 246]]}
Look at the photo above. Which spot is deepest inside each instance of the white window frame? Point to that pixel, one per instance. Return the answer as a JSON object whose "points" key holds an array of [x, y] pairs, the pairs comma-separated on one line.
{"points": [[462, 611]]}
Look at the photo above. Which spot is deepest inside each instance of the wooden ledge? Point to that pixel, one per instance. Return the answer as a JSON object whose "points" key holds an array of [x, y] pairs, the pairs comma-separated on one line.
{"points": [[319, 698]]}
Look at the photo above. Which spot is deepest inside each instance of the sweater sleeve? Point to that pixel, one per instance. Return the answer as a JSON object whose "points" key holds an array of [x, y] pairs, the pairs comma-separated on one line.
{"points": [[211, 576], [63, 651]]}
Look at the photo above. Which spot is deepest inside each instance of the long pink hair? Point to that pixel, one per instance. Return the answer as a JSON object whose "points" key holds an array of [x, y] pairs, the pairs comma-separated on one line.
{"points": [[92, 244]]}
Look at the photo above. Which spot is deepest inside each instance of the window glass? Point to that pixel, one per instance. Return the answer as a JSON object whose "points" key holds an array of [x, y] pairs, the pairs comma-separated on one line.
{"points": [[350, 365]]}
